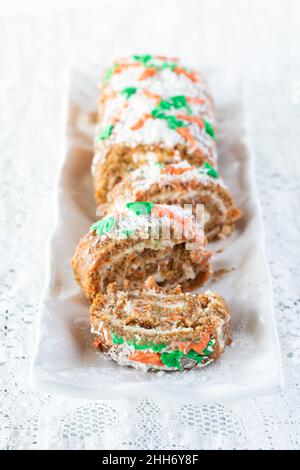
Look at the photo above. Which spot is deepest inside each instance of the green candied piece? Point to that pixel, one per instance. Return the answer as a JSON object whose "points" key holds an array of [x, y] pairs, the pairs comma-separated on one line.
{"points": [[171, 359], [150, 65], [168, 65], [160, 165], [210, 170], [104, 225], [173, 122], [116, 339], [144, 58], [206, 351], [180, 101], [140, 208], [137, 346], [129, 91], [126, 232], [195, 356], [109, 73], [164, 105], [158, 113], [156, 347], [106, 131], [209, 129]]}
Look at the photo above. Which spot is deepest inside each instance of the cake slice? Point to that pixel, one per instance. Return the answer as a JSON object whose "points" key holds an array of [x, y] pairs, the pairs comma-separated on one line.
{"points": [[184, 184], [155, 330], [151, 109], [143, 240]]}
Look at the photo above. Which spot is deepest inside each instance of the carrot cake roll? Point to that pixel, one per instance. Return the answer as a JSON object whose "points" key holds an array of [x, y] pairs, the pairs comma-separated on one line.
{"points": [[154, 330], [151, 109], [180, 183], [146, 239]]}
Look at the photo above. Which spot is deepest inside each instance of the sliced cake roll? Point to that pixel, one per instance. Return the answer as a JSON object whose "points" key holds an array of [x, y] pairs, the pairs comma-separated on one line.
{"points": [[155, 330], [151, 109], [146, 239], [183, 184]]}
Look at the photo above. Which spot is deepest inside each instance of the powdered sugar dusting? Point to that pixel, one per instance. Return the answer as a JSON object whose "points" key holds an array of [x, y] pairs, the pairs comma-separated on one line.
{"points": [[131, 115], [146, 226], [145, 176]]}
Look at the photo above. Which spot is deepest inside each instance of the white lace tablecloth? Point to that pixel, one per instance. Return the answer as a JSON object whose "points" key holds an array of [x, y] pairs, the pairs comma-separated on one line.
{"points": [[257, 39]]}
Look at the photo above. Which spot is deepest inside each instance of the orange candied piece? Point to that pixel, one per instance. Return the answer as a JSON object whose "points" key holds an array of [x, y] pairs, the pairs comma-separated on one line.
{"points": [[184, 347], [185, 222], [149, 72], [186, 134], [161, 211], [201, 345], [192, 100], [96, 343], [151, 95], [191, 75], [171, 170], [140, 122], [120, 67], [146, 358], [192, 119]]}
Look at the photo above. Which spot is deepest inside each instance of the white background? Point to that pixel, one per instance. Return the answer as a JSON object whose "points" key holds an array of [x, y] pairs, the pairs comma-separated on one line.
{"points": [[258, 40]]}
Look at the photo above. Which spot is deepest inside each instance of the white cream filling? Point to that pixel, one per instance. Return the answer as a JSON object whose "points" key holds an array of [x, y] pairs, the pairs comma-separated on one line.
{"points": [[158, 277], [154, 245], [188, 271], [221, 334], [171, 305], [145, 157], [145, 176]]}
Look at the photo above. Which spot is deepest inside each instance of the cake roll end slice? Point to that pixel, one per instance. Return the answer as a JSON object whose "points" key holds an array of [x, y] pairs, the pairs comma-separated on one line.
{"points": [[156, 330]]}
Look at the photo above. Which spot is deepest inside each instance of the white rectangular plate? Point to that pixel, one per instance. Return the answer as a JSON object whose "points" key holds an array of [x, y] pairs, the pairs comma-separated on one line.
{"points": [[64, 361]]}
